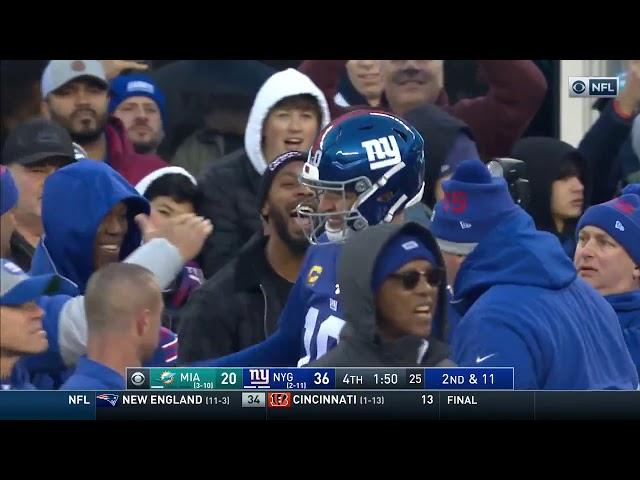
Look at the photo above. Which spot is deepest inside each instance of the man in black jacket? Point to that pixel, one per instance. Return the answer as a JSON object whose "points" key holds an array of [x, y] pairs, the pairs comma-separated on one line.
{"points": [[240, 305]]}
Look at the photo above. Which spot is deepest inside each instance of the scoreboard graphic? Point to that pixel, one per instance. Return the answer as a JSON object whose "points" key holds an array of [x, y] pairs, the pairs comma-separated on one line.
{"points": [[320, 378], [428, 394]]}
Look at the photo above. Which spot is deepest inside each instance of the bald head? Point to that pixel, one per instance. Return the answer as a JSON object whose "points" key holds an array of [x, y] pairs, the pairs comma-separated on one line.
{"points": [[118, 295]]}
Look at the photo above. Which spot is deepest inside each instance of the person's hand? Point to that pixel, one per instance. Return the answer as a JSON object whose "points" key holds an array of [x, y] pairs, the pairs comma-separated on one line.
{"points": [[629, 98], [187, 232], [113, 68]]}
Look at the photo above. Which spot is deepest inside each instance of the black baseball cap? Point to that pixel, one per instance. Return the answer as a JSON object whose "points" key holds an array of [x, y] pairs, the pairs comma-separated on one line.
{"points": [[36, 140]]}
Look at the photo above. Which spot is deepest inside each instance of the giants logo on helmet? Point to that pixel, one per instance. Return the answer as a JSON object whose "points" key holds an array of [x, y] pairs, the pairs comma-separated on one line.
{"points": [[382, 152]]}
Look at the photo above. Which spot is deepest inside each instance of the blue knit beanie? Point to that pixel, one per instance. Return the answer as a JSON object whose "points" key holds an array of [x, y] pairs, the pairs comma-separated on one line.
{"points": [[474, 203], [123, 87], [398, 252], [620, 218]]}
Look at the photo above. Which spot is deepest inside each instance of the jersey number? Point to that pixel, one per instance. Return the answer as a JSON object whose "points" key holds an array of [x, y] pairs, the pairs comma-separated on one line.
{"points": [[329, 328]]}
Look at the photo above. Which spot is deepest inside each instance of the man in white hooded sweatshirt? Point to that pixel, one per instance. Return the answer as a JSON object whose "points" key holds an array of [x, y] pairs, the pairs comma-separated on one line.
{"points": [[287, 114]]}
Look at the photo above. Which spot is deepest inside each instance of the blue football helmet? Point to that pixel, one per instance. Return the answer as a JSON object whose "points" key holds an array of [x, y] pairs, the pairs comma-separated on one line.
{"points": [[375, 157]]}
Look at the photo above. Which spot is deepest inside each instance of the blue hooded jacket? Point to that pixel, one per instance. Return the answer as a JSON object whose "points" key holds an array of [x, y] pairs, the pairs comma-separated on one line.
{"points": [[20, 379], [30, 371], [627, 307], [75, 200], [523, 305]]}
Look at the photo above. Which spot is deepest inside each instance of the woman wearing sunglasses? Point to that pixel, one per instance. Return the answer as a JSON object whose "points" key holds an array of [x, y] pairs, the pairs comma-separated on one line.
{"points": [[392, 284]]}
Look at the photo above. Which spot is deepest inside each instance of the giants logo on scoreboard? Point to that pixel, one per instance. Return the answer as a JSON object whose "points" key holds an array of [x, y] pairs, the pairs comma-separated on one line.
{"points": [[279, 399], [258, 378]]}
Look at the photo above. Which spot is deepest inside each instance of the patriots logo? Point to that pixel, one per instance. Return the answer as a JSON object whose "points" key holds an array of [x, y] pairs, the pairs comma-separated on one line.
{"points": [[110, 399]]}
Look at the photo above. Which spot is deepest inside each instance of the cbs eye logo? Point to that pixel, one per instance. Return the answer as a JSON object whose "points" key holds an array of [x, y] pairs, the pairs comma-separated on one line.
{"points": [[138, 378], [578, 87], [596, 87]]}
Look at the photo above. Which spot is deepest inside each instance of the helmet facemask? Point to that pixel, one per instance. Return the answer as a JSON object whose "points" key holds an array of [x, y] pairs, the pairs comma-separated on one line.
{"points": [[344, 221], [355, 218]]}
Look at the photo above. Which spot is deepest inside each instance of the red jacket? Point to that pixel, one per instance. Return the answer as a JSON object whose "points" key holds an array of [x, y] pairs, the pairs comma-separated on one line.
{"points": [[124, 159], [497, 120]]}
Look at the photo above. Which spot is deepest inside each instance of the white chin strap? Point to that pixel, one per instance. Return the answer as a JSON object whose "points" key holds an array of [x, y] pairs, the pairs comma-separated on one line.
{"points": [[339, 236], [396, 206], [415, 200]]}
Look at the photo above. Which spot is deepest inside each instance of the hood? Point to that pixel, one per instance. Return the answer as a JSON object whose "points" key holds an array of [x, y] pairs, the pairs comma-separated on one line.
{"points": [[119, 144], [512, 253], [283, 84], [75, 200], [545, 157], [355, 269], [142, 185], [122, 156], [439, 131], [625, 302]]}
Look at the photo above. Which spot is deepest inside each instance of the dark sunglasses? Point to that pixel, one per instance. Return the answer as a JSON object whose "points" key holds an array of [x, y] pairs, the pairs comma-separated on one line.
{"points": [[411, 278]]}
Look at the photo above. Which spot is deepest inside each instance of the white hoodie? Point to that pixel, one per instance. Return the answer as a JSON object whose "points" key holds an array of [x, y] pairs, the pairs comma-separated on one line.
{"points": [[286, 83], [143, 184]]}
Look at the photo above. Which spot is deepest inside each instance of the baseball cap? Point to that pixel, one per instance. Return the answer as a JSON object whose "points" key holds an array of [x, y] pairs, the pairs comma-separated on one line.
{"points": [[18, 288], [35, 140], [59, 72]]}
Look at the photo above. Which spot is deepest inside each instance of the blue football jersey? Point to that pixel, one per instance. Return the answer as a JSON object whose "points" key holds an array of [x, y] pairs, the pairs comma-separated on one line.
{"points": [[318, 301]]}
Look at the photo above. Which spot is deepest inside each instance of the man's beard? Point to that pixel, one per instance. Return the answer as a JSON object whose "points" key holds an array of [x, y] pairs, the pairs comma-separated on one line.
{"points": [[298, 246], [144, 148], [83, 137]]}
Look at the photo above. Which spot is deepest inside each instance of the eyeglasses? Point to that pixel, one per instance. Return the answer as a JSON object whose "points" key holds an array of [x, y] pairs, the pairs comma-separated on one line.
{"points": [[411, 278]]}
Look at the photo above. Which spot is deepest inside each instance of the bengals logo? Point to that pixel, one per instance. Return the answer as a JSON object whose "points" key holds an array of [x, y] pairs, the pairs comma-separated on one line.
{"points": [[279, 399]]}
